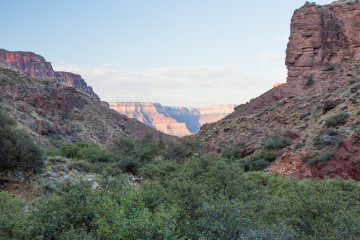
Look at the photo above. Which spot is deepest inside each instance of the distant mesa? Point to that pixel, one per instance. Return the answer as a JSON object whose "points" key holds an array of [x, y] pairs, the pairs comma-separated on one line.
{"points": [[173, 120], [35, 65]]}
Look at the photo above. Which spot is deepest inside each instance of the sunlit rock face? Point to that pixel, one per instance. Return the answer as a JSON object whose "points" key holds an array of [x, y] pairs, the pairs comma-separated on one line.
{"points": [[277, 85], [36, 66], [178, 121], [322, 35]]}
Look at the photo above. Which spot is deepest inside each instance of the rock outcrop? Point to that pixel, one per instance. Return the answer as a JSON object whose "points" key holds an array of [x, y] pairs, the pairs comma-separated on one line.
{"points": [[178, 121], [323, 86], [322, 53], [322, 35], [35, 65]]}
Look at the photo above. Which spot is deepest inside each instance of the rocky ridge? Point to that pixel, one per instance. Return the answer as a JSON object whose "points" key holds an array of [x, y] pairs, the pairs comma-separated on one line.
{"points": [[173, 120], [323, 83], [62, 113], [35, 65]]}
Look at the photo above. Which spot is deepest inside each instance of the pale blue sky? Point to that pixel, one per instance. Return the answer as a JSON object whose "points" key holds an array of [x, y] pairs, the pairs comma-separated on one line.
{"points": [[176, 52]]}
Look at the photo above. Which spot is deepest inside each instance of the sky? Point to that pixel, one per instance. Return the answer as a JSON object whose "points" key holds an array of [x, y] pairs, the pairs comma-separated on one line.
{"points": [[190, 53]]}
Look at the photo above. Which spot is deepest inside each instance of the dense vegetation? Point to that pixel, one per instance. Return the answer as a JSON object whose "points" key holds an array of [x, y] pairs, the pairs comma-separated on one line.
{"points": [[186, 194], [17, 151]]}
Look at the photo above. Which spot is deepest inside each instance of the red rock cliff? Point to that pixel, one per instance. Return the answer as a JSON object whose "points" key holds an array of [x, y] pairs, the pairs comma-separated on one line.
{"points": [[36, 66], [321, 35]]}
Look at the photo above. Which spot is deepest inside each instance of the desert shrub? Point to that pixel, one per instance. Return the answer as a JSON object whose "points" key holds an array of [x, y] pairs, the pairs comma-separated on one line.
{"points": [[306, 158], [17, 150], [353, 80], [330, 67], [52, 152], [88, 152], [337, 119], [72, 208], [357, 160], [231, 153], [71, 150], [259, 161], [309, 80], [123, 145], [159, 170], [95, 153], [129, 164], [28, 156], [321, 158], [12, 217], [277, 142]]}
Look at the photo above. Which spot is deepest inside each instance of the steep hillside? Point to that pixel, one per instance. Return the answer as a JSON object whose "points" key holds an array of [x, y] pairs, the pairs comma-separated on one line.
{"points": [[323, 81], [35, 65], [62, 112], [178, 121]]}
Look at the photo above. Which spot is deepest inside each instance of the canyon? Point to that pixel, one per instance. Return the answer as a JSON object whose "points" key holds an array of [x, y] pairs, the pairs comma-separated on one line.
{"points": [[173, 120]]}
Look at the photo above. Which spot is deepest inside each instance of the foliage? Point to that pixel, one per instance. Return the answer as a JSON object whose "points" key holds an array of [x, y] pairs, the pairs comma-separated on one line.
{"points": [[259, 161], [231, 153], [337, 119], [309, 80], [17, 150], [277, 142]]}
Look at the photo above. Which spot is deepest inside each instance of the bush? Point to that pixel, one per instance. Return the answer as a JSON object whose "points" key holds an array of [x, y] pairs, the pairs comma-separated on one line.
{"points": [[321, 158], [129, 164], [309, 80], [52, 152], [260, 161], [357, 160], [337, 119], [306, 158], [12, 217], [277, 143], [95, 153], [231, 153], [17, 150]]}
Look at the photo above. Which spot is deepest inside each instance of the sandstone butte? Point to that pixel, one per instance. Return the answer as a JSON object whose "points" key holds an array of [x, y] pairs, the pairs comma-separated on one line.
{"points": [[173, 120], [35, 65], [320, 37]]}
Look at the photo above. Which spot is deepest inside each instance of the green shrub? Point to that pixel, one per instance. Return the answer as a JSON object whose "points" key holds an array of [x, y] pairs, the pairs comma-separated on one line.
{"points": [[52, 152], [123, 145], [129, 164], [70, 150], [309, 80], [231, 153], [95, 153], [357, 160], [277, 143], [17, 150], [259, 161], [12, 217], [306, 158], [337, 119], [321, 158]]}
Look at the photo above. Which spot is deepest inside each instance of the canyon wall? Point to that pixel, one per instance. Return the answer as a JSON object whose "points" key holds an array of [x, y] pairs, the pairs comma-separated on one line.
{"points": [[322, 35], [178, 121], [35, 65]]}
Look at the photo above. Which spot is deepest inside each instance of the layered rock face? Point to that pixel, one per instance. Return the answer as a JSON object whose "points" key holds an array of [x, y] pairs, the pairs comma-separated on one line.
{"points": [[178, 121], [36, 66], [322, 35]]}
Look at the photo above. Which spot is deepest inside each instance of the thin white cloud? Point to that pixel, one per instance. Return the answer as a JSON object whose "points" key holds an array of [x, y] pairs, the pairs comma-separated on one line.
{"points": [[269, 56], [185, 86]]}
